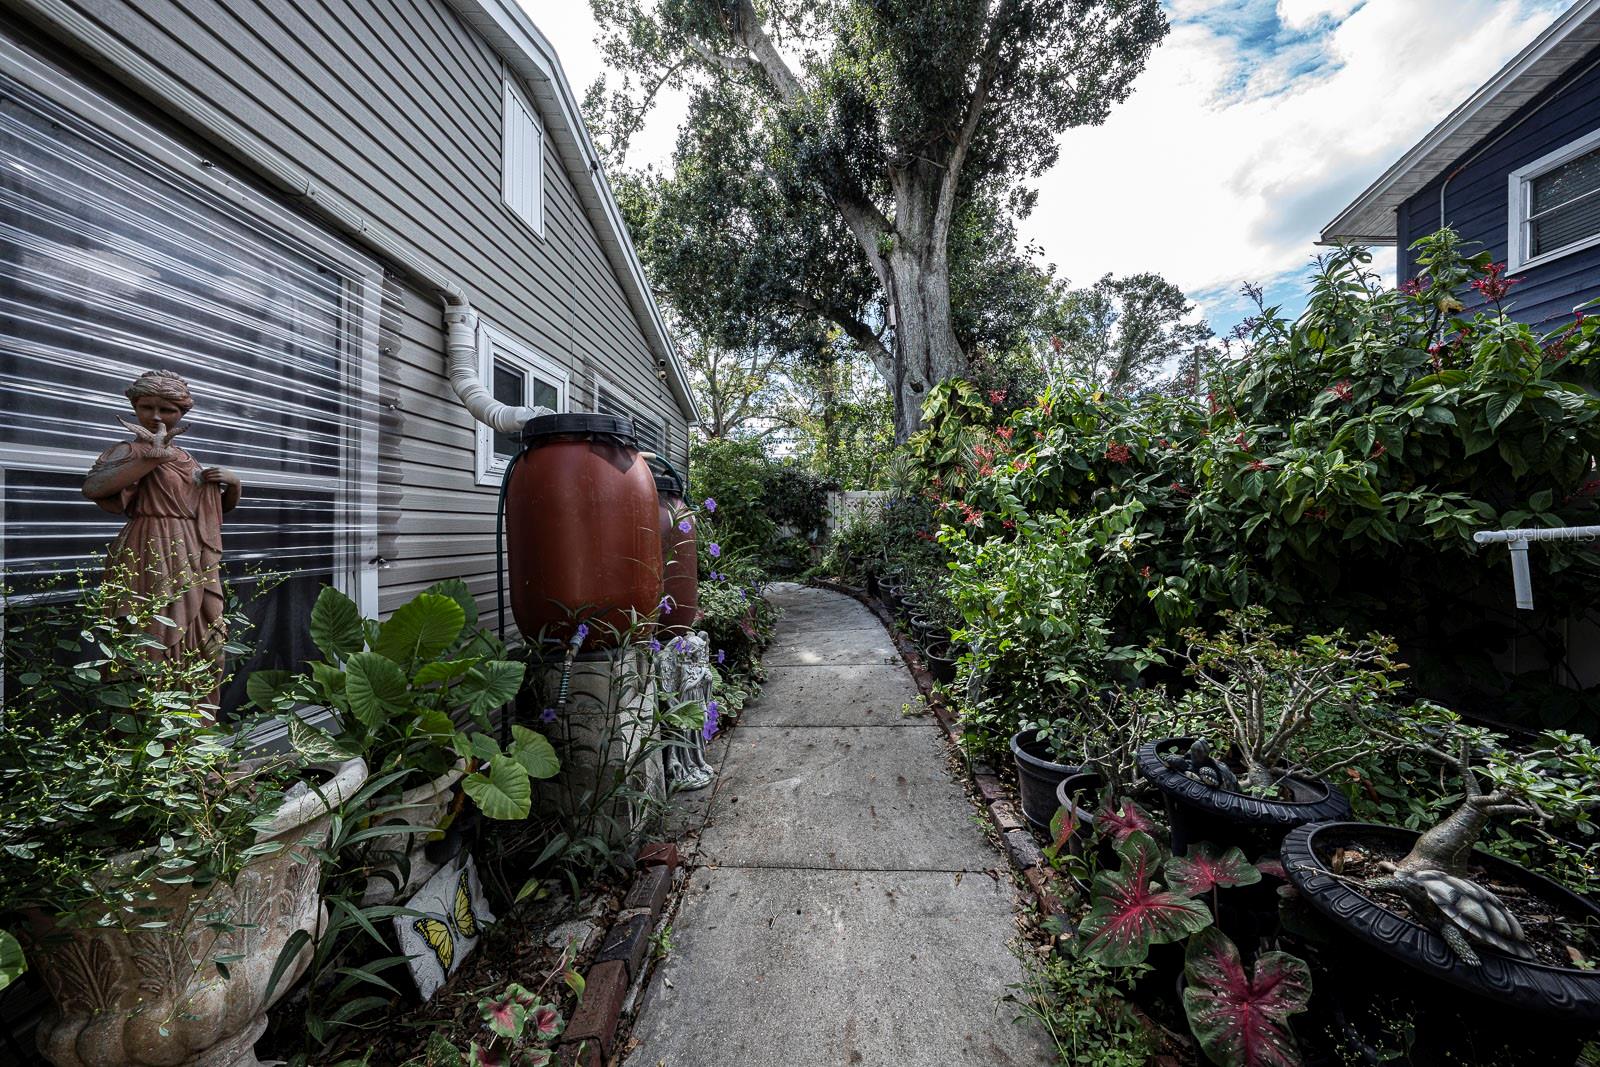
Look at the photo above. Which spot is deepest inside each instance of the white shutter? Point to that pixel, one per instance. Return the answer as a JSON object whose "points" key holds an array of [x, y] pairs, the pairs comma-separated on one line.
{"points": [[522, 182]]}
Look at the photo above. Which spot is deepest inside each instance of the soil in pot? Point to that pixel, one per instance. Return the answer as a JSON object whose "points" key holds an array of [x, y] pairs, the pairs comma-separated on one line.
{"points": [[1502, 1011], [1256, 824], [1037, 777]]}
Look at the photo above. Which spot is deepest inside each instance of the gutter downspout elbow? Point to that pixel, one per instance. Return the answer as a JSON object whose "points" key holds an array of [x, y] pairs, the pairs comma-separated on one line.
{"points": [[461, 365]]}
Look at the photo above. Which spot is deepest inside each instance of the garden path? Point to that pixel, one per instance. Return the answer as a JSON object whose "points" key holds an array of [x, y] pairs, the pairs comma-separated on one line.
{"points": [[842, 907]]}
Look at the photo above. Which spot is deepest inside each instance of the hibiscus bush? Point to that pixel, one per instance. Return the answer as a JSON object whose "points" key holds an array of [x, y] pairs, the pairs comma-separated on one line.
{"points": [[1334, 472]]}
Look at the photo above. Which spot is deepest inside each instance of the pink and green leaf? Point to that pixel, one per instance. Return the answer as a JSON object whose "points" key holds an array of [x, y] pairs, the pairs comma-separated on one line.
{"points": [[1272, 869], [534, 1057], [1205, 869], [483, 1056], [517, 992], [1130, 913], [1240, 1018], [1127, 818], [547, 1022], [504, 1016]]}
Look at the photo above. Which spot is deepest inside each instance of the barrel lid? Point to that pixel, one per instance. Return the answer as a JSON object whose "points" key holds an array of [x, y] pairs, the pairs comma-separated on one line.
{"points": [[581, 424]]}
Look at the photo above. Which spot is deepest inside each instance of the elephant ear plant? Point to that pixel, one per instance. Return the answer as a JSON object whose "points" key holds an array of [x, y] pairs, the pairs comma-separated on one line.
{"points": [[1239, 1015], [400, 689]]}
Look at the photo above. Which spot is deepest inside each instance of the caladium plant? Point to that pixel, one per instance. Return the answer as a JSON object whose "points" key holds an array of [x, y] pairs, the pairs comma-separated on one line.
{"points": [[1241, 1017], [1131, 911], [1127, 818], [1205, 870]]}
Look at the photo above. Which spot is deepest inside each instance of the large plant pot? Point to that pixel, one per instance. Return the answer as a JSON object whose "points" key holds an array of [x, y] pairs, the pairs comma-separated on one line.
{"points": [[1075, 790], [941, 661], [424, 805], [1037, 777], [153, 996], [1255, 824], [1541, 1012]]}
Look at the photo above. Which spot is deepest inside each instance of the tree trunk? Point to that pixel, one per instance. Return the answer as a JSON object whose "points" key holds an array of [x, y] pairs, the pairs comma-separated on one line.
{"points": [[926, 351], [1447, 846]]}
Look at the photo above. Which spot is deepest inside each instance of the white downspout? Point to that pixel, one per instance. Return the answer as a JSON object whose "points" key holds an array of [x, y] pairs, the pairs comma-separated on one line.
{"points": [[462, 367], [1518, 541]]}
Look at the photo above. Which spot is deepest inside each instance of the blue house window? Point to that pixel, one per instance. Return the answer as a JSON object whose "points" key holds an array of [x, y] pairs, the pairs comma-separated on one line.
{"points": [[1555, 204]]}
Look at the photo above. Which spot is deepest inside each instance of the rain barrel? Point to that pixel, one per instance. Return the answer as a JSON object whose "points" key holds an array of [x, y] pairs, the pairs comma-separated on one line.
{"points": [[583, 539], [680, 553]]}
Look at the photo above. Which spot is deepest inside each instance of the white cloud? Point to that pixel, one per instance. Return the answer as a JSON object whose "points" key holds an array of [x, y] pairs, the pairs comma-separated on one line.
{"points": [[1256, 121]]}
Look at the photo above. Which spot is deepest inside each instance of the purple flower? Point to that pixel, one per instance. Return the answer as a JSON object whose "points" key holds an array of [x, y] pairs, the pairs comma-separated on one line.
{"points": [[715, 550], [680, 645], [710, 729], [710, 505], [666, 604], [583, 632], [685, 525], [722, 656], [655, 646], [548, 715]]}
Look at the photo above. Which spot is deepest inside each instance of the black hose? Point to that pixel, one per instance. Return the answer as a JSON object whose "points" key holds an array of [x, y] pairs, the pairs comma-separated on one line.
{"points": [[500, 577]]}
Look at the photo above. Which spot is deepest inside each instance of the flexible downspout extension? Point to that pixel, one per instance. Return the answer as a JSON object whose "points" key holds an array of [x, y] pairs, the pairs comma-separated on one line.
{"points": [[461, 365]]}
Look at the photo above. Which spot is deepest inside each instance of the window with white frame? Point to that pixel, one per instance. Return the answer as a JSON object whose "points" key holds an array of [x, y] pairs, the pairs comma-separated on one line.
{"points": [[121, 254], [522, 155], [609, 401], [519, 377], [1555, 203]]}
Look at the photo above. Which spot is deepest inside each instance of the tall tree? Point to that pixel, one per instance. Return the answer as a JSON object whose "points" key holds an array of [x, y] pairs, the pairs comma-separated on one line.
{"points": [[1122, 333], [886, 118]]}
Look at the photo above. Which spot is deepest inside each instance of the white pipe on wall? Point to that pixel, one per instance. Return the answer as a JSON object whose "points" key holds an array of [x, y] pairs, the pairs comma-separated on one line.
{"points": [[462, 367], [1521, 579]]}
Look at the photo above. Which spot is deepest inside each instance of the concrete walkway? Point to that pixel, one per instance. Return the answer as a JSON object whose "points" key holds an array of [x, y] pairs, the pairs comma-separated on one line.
{"points": [[844, 908]]}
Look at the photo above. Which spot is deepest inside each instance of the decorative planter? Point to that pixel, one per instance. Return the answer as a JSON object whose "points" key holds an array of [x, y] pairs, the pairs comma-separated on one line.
{"points": [[1198, 812], [1037, 777], [153, 996], [941, 661], [425, 805], [1541, 1012]]}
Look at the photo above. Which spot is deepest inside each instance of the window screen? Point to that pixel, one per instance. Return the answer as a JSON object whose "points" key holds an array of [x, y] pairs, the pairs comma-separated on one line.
{"points": [[113, 262], [1564, 205]]}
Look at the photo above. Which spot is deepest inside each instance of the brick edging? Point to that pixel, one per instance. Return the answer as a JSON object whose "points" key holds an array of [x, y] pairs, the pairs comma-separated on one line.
{"points": [[1012, 832]]}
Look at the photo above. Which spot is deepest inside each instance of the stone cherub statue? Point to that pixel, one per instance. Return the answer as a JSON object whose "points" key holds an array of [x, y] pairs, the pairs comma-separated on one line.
{"points": [[685, 674], [171, 548]]}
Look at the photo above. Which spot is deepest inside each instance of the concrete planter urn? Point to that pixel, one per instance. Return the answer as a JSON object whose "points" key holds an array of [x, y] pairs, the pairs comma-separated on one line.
{"points": [[424, 805], [126, 995]]}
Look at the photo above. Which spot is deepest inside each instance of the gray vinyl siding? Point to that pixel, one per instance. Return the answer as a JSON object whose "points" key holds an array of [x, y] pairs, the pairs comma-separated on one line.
{"points": [[396, 105], [1476, 198]]}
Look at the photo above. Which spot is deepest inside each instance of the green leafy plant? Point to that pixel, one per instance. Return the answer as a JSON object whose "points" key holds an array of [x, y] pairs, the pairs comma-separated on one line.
{"points": [[1240, 1017], [518, 1028], [1083, 1008], [399, 687], [12, 961]]}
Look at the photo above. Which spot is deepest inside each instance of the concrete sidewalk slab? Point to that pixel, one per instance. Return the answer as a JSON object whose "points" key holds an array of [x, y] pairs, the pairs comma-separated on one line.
{"points": [[856, 695], [841, 798], [817, 968], [831, 647]]}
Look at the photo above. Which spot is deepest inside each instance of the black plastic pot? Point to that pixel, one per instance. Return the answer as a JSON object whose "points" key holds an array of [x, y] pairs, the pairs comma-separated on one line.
{"points": [[1037, 777], [1537, 1013], [941, 661], [1225, 818], [1075, 790]]}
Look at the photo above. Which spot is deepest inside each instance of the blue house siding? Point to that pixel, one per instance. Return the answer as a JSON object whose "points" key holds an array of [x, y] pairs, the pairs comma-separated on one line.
{"points": [[1476, 198]]}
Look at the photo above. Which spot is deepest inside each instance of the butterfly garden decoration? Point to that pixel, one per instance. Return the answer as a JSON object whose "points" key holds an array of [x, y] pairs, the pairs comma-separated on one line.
{"points": [[453, 915]]}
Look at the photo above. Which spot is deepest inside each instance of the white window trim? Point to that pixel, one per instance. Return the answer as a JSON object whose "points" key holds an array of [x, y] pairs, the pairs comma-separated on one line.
{"points": [[357, 492], [1520, 193], [494, 342], [512, 93]]}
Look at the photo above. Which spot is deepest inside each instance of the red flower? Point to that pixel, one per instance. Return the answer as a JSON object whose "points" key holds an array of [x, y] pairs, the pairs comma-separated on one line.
{"points": [[971, 515], [1145, 573], [985, 470], [997, 396], [1412, 286], [1493, 285], [1162, 443], [1056, 343], [1009, 524], [1004, 432], [1118, 453], [1241, 442], [1378, 450], [1257, 465], [1021, 463], [1317, 514], [1340, 389], [924, 535]]}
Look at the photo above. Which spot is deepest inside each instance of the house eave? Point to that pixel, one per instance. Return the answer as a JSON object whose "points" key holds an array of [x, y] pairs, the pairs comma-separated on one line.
{"points": [[1370, 218], [525, 50]]}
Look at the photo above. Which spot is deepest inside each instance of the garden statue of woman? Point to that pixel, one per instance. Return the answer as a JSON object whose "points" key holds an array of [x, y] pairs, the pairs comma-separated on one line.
{"points": [[170, 552]]}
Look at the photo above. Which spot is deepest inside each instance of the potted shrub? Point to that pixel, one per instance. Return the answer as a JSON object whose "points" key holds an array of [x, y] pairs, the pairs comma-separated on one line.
{"points": [[1502, 945], [1243, 782], [159, 873], [405, 690]]}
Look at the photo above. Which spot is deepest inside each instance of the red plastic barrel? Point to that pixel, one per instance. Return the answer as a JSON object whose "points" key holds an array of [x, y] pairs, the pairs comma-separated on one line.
{"points": [[681, 553], [583, 540]]}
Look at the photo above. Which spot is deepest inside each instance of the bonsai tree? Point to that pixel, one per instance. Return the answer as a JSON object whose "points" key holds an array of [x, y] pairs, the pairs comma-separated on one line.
{"points": [[1272, 691], [1558, 778]]}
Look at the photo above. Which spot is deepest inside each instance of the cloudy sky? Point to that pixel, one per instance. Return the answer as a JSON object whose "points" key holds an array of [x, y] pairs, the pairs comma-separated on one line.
{"points": [[1254, 123]]}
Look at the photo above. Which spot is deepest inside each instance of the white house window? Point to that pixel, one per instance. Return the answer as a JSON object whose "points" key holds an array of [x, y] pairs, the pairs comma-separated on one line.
{"points": [[517, 376], [609, 401], [1555, 203], [121, 254], [522, 152]]}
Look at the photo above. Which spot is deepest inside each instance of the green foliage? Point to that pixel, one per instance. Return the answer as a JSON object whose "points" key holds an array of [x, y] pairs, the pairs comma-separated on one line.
{"points": [[1083, 1007], [767, 512], [108, 749], [400, 686], [12, 961], [517, 1028], [1120, 334]]}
